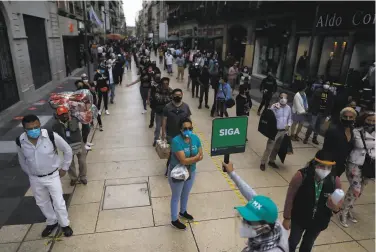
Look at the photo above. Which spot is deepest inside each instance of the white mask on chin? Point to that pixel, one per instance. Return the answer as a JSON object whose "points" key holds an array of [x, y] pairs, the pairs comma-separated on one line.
{"points": [[247, 231], [322, 173]]}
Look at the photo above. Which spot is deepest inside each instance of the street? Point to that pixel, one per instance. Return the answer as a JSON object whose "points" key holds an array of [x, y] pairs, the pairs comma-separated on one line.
{"points": [[126, 203]]}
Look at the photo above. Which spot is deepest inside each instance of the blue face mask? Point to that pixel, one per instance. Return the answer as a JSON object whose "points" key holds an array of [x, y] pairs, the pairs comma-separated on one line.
{"points": [[33, 133], [101, 71], [187, 133]]}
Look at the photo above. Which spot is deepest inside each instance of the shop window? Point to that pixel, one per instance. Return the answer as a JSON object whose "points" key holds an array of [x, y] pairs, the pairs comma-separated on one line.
{"points": [[332, 54], [301, 60]]}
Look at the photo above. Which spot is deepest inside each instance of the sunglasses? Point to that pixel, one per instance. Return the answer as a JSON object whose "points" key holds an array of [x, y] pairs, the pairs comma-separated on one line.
{"points": [[188, 128]]}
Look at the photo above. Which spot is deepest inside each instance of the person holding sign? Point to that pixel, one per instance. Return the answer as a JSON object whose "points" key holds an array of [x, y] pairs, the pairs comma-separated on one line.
{"points": [[282, 113], [186, 150]]}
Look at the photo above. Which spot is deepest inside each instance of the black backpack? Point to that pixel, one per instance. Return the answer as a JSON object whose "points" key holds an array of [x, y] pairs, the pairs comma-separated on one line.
{"points": [[50, 135]]}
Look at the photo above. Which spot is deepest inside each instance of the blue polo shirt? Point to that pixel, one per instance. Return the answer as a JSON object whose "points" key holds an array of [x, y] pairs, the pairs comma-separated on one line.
{"points": [[178, 144]]}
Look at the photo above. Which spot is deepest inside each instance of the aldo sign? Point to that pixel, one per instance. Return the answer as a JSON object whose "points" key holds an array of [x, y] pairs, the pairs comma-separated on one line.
{"points": [[229, 135]]}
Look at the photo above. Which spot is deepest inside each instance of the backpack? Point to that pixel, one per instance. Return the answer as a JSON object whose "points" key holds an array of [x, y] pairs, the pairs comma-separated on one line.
{"points": [[50, 135]]}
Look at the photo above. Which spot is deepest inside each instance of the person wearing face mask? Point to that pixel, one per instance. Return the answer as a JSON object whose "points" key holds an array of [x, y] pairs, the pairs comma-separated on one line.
{"points": [[245, 78], [299, 111], [203, 80], [339, 137], [282, 113], [308, 205], [113, 78], [173, 112], [180, 62], [39, 159], [154, 84], [169, 60], [214, 82], [233, 75], [320, 108], [360, 165], [102, 87], [162, 97], [268, 87], [145, 87], [186, 150], [224, 93], [260, 223], [68, 128], [195, 75]]}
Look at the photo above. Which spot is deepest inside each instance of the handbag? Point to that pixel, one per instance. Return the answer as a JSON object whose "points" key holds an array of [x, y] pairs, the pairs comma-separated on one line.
{"points": [[368, 167], [103, 89], [230, 102], [180, 172]]}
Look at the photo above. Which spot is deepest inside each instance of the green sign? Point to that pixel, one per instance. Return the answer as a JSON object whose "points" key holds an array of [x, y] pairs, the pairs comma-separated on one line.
{"points": [[229, 135]]}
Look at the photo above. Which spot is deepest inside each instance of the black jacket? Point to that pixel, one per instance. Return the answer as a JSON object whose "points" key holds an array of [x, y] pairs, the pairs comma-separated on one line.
{"points": [[205, 77], [304, 201], [270, 84], [268, 124], [194, 73], [243, 105], [73, 128], [316, 100], [102, 80]]}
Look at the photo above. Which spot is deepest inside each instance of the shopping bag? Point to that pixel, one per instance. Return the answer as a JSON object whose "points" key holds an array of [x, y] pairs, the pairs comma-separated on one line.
{"points": [[268, 124], [163, 149], [286, 148]]}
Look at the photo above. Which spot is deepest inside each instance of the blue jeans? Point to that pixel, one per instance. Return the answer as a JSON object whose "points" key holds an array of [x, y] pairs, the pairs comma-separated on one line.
{"points": [[180, 191], [169, 68], [158, 125], [112, 95], [315, 124]]}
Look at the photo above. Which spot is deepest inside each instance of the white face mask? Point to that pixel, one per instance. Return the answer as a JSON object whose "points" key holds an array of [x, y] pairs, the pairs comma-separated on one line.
{"points": [[283, 101], [325, 86], [322, 173], [247, 231], [85, 81]]}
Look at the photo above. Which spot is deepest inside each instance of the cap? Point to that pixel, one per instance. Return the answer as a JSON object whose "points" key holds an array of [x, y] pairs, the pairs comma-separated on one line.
{"points": [[260, 208], [83, 76], [61, 110]]}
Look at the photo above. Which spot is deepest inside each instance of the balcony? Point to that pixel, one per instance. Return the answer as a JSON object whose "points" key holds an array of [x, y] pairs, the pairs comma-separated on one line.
{"points": [[70, 9]]}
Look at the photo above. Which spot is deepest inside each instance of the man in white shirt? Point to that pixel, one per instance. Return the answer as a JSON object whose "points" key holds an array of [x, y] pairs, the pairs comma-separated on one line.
{"points": [[282, 113], [111, 80], [169, 59], [38, 157]]}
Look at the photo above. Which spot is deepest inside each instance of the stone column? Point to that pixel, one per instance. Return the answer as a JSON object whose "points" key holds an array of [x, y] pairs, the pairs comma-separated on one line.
{"points": [[315, 55], [290, 55], [347, 58], [225, 41], [249, 47]]}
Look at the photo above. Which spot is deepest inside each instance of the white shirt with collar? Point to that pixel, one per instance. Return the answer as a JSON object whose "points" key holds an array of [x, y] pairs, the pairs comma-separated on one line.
{"points": [[41, 159], [111, 77], [282, 115]]}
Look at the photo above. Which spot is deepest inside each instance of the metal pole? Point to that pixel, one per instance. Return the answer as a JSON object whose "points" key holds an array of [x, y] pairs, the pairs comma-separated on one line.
{"points": [[86, 51]]}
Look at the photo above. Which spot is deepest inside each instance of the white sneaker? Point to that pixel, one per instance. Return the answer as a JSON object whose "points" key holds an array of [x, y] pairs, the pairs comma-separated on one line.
{"points": [[144, 112], [107, 112], [89, 144], [87, 147]]}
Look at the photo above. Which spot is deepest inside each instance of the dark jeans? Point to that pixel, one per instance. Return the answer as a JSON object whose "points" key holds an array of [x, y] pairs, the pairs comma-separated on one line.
{"points": [[314, 125], [144, 95], [169, 157], [99, 119], [152, 116], [85, 130], [105, 99], [195, 86], [296, 234], [214, 106], [221, 105], [265, 101], [204, 90]]}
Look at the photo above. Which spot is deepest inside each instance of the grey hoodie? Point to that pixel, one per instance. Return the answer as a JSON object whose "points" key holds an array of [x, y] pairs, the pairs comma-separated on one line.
{"points": [[249, 193]]}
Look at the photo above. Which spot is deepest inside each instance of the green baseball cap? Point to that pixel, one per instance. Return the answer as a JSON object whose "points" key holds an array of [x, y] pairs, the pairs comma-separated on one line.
{"points": [[260, 208]]}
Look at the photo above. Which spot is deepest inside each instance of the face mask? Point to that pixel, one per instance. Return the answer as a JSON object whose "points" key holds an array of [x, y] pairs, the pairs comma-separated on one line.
{"points": [[369, 127], [101, 71], [85, 81], [322, 173], [326, 86], [347, 123], [177, 99], [187, 133], [283, 101], [247, 231], [33, 133], [246, 70]]}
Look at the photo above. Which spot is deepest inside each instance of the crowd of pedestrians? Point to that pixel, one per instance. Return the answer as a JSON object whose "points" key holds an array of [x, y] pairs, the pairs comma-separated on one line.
{"points": [[349, 143]]}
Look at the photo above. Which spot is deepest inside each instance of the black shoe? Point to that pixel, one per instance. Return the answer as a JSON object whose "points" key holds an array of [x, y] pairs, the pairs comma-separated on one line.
{"points": [[314, 140], [207, 106], [305, 141], [100, 128], [177, 224], [48, 230], [186, 216], [154, 143], [112, 102], [151, 126], [258, 113], [199, 107], [73, 182], [272, 164], [262, 167], [67, 231], [83, 181]]}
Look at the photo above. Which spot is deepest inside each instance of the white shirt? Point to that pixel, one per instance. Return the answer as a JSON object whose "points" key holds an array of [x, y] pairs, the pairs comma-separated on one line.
{"points": [[169, 59], [282, 115], [41, 159], [111, 77], [100, 49]]}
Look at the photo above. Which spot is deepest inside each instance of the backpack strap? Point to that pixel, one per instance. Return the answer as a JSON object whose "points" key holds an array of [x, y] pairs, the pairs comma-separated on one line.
{"points": [[281, 248], [18, 141], [52, 139]]}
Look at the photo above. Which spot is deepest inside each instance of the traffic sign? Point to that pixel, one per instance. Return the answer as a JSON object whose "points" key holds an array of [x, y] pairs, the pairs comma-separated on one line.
{"points": [[229, 135]]}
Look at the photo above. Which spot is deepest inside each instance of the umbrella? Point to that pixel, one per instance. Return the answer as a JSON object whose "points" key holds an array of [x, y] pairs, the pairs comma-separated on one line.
{"points": [[115, 36]]}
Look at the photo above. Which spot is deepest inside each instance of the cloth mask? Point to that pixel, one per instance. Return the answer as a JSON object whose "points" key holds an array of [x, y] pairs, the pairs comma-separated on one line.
{"points": [[322, 173], [347, 123], [283, 101], [187, 133], [369, 127], [247, 231], [177, 99], [33, 133]]}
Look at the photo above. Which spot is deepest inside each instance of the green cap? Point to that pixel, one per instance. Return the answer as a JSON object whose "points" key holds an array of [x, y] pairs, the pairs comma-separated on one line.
{"points": [[260, 208]]}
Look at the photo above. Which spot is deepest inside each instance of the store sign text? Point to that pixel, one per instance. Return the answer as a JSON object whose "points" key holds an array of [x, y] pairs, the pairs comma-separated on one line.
{"points": [[359, 18]]}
